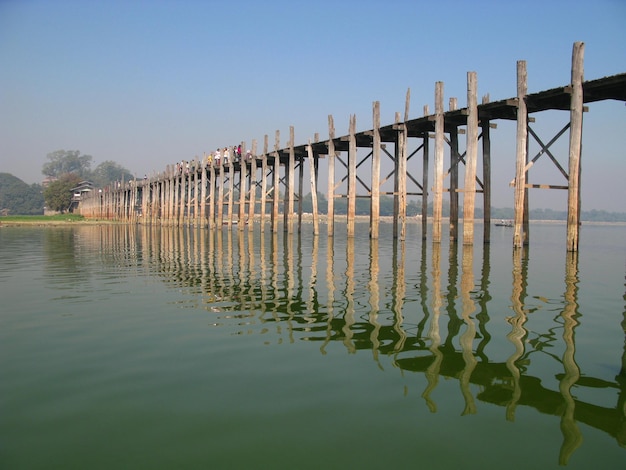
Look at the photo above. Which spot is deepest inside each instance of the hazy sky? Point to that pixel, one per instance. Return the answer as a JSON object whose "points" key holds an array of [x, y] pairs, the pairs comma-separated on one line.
{"points": [[149, 83]]}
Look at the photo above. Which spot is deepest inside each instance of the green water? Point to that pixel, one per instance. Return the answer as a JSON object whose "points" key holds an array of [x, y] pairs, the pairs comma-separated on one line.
{"points": [[136, 347]]}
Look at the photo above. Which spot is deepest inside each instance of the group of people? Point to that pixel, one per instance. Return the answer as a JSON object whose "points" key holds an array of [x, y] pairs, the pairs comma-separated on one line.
{"points": [[217, 158], [223, 156]]}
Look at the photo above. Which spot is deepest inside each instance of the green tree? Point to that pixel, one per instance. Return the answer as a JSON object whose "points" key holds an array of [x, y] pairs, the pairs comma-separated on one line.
{"points": [[108, 172], [18, 198], [67, 161], [58, 194]]}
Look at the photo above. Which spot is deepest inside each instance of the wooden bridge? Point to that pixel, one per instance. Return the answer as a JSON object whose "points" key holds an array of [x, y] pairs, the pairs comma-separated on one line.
{"points": [[199, 192]]}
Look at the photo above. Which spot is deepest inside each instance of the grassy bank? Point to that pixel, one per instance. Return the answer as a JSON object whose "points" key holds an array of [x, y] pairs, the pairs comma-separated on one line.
{"points": [[59, 219]]}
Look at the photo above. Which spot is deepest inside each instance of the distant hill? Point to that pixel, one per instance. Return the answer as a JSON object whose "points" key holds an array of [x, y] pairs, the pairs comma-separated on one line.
{"points": [[19, 198]]}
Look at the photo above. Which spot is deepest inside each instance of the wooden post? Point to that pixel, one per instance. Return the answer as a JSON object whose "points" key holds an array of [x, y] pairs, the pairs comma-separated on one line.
{"points": [[264, 182], [189, 192], [575, 147], [519, 236], [316, 229], [401, 196], [300, 195], [352, 176], [231, 187], [203, 183], [243, 178], [276, 185], [454, 177], [212, 187], [425, 151], [375, 200], [220, 195], [438, 176], [471, 154], [290, 181], [486, 141], [196, 192], [331, 177], [253, 181]]}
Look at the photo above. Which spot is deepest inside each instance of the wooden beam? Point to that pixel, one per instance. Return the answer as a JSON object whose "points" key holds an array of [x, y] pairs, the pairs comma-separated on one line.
{"points": [[575, 146]]}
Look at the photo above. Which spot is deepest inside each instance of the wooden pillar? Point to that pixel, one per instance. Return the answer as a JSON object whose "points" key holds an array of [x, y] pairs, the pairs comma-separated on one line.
{"points": [[196, 191], [438, 170], [352, 176], [300, 195], [316, 229], [425, 151], [519, 236], [231, 188], [454, 177], [264, 183], [203, 183], [276, 185], [471, 155], [375, 197], [486, 141], [575, 147], [399, 196], [243, 178], [290, 181], [188, 177], [252, 187], [220, 196], [212, 198], [331, 177]]}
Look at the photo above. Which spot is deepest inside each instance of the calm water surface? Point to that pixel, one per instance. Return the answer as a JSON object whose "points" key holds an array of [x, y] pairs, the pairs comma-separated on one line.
{"points": [[138, 347]]}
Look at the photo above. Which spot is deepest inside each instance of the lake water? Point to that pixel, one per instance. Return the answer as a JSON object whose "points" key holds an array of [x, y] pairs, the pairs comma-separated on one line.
{"points": [[138, 347]]}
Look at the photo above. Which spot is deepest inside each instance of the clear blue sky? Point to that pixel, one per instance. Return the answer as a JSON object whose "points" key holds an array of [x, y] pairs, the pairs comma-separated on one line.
{"points": [[149, 83]]}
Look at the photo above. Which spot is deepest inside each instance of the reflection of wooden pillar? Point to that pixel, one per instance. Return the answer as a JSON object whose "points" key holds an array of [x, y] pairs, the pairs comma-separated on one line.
{"points": [[519, 237], [375, 197], [575, 147], [471, 154], [572, 437], [331, 177], [438, 170], [466, 340], [518, 332], [352, 176]]}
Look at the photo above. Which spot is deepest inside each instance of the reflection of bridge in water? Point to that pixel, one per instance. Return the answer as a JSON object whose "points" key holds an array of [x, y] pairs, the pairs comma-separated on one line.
{"points": [[364, 305]]}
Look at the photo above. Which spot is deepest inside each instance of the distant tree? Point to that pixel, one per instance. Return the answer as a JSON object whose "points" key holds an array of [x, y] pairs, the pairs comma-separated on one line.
{"points": [[108, 172], [18, 197], [58, 194], [67, 161]]}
